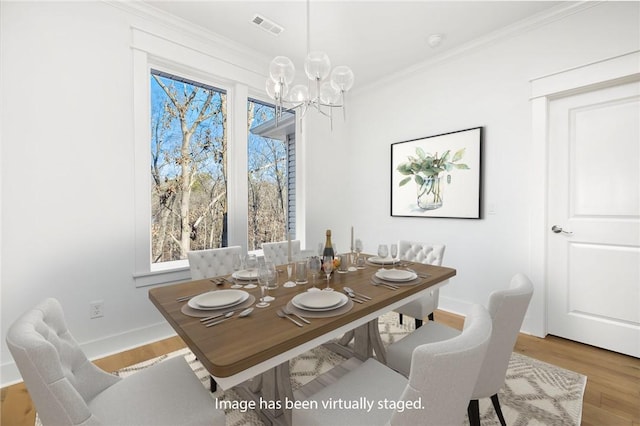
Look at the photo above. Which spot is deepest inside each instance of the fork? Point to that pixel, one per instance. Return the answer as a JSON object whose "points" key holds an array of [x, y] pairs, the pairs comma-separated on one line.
{"points": [[389, 286], [283, 315], [353, 297], [289, 312]]}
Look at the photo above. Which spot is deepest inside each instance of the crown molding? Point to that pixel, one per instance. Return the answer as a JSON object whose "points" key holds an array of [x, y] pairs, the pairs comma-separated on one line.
{"points": [[188, 29]]}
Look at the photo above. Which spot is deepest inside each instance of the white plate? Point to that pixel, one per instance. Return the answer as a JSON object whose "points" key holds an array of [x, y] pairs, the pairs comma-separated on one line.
{"points": [[319, 300], [246, 275], [380, 260], [396, 275], [218, 299]]}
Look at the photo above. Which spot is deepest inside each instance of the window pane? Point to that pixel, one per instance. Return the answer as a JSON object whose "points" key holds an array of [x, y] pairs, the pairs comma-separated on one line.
{"points": [[188, 167], [268, 183]]}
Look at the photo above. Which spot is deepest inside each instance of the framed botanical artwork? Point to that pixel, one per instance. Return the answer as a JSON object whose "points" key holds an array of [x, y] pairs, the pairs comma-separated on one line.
{"points": [[437, 176]]}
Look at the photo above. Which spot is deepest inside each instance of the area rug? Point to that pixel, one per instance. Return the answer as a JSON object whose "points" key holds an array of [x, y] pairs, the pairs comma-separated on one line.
{"points": [[535, 393]]}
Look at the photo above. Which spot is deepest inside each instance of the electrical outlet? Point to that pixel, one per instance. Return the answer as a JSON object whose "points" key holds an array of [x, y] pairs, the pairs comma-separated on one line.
{"points": [[96, 309]]}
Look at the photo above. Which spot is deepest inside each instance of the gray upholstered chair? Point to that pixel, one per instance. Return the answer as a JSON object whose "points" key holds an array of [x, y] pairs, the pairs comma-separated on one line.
{"points": [[212, 262], [442, 377], [278, 252], [68, 389], [424, 253], [507, 309]]}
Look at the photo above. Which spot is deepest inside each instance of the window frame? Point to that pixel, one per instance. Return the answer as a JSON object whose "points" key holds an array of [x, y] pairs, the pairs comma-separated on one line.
{"points": [[150, 51]]}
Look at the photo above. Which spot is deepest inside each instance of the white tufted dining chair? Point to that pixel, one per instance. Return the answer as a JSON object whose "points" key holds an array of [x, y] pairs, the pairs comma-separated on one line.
{"points": [[68, 389], [423, 253], [507, 309], [212, 262], [278, 252], [442, 377]]}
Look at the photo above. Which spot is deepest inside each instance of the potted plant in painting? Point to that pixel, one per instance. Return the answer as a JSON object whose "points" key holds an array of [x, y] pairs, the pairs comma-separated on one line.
{"points": [[428, 171]]}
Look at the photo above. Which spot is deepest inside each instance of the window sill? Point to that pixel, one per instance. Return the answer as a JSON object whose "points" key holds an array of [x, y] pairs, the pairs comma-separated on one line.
{"points": [[145, 279]]}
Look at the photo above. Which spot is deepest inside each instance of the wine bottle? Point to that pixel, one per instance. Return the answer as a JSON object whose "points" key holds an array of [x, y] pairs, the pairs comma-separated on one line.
{"points": [[328, 248]]}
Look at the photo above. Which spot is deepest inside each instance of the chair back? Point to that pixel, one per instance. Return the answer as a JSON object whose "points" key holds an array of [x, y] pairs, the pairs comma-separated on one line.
{"points": [[59, 377], [278, 252], [431, 254], [507, 309], [212, 262], [444, 373], [414, 251]]}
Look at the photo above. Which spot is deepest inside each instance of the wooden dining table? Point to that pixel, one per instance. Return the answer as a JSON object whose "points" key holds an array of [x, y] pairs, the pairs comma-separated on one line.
{"points": [[251, 354]]}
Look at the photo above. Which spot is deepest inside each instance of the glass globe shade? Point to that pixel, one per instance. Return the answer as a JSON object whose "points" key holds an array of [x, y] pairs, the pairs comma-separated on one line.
{"points": [[342, 78], [281, 69], [328, 94], [276, 90], [317, 65], [299, 93]]}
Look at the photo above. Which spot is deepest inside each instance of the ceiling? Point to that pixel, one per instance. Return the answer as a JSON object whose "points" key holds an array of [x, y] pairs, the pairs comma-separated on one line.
{"points": [[375, 38]]}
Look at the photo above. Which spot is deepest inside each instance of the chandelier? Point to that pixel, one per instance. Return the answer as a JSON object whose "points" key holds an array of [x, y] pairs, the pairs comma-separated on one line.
{"points": [[325, 90]]}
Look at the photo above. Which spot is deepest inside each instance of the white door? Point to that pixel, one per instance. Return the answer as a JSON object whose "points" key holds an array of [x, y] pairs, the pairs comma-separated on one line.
{"points": [[594, 203]]}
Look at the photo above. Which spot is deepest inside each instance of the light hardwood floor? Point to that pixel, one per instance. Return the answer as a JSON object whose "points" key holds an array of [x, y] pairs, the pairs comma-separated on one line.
{"points": [[612, 394]]}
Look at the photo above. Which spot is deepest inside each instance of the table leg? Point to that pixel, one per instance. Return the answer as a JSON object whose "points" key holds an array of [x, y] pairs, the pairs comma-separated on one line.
{"points": [[376, 341], [270, 391], [361, 343], [346, 338], [256, 384], [285, 391], [367, 341]]}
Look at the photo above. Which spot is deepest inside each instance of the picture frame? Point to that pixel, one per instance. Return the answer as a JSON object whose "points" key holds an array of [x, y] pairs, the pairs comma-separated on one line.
{"points": [[438, 176]]}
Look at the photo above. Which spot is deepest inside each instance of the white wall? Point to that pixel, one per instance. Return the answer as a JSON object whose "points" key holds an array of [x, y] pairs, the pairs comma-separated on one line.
{"points": [[68, 166], [486, 87], [67, 151]]}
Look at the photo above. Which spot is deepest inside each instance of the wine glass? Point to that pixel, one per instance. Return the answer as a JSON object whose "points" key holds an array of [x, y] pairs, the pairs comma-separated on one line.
{"points": [[314, 268], [263, 281], [327, 264], [289, 282], [272, 280], [236, 264], [359, 264], [383, 252], [252, 265], [394, 253]]}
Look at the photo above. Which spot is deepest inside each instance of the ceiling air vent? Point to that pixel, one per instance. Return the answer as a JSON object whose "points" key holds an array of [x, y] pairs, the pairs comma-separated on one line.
{"points": [[267, 24]]}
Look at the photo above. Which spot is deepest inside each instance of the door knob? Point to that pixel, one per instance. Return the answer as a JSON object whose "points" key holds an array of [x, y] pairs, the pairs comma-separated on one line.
{"points": [[558, 230]]}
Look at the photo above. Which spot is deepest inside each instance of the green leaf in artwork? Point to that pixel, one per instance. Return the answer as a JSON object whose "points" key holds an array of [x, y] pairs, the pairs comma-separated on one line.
{"points": [[425, 166], [404, 181], [405, 169], [458, 155]]}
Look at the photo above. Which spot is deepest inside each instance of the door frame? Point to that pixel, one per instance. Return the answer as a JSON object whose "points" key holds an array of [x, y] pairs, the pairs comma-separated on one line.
{"points": [[609, 72]]}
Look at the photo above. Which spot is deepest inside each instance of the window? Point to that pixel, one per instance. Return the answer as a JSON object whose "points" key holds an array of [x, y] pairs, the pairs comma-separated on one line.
{"points": [[189, 170], [188, 167], [267, 179], [216, 155]]}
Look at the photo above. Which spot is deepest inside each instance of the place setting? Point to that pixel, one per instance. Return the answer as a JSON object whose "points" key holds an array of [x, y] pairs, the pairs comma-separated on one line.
{"points": [[395, 277], [217, 302], [319, 304]]}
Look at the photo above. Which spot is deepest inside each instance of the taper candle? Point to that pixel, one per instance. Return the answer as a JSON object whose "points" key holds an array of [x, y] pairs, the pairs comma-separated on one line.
{"points": [[352, 246]]}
